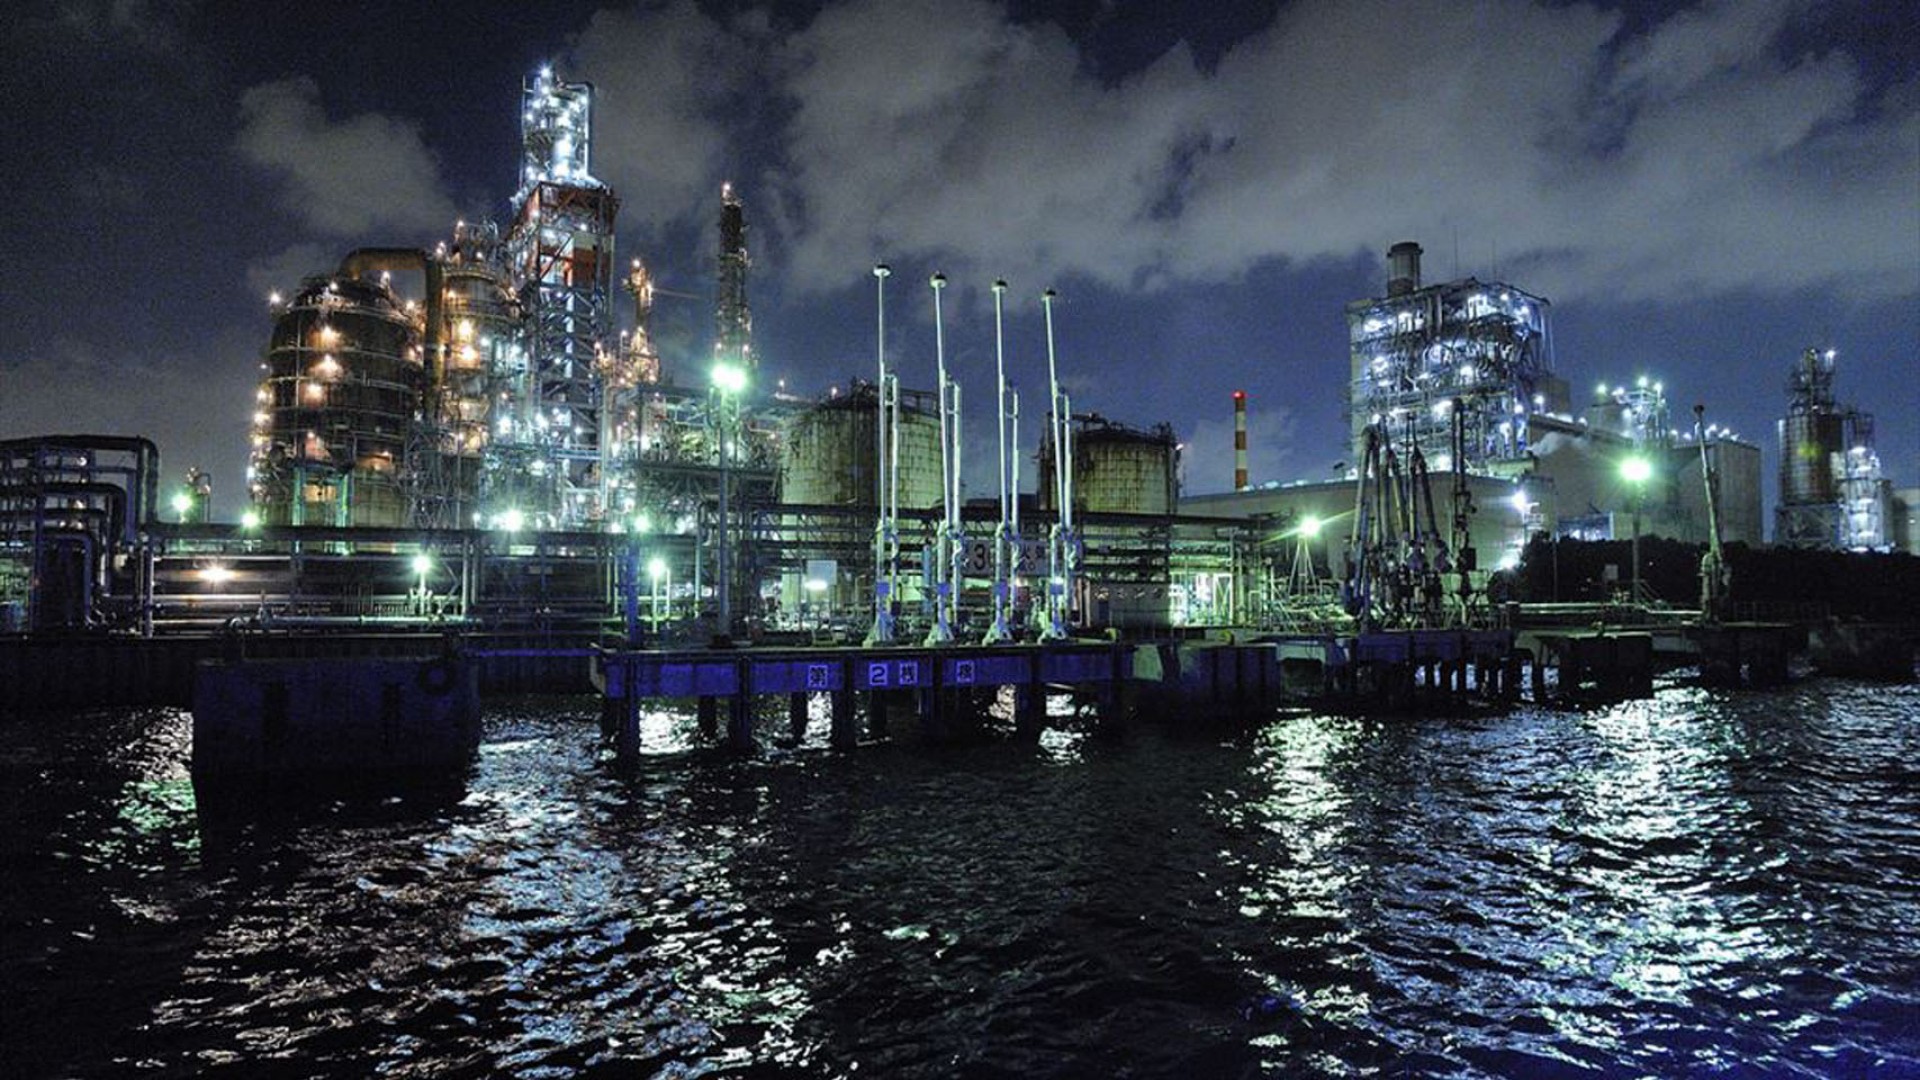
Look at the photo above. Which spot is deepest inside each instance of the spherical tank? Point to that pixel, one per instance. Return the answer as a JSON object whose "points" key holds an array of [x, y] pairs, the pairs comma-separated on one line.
{"points": [[827, 453], [1808, 443], [341, 384]]}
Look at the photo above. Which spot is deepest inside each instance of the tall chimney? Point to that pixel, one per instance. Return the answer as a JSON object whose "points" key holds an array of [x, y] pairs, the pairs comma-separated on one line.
{"points": [[1239, 440], [1403, 268]]}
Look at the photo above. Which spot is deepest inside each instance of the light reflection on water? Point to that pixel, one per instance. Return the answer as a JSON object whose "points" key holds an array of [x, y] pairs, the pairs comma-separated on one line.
{"points": [[1694, 883]]}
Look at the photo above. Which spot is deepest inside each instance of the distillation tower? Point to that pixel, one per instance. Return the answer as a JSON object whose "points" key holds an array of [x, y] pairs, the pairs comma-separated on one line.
{"points": [[560, 249]]}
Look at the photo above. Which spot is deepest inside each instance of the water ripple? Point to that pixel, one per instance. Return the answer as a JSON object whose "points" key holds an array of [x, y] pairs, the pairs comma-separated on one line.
{"points": [[1695, 884]]}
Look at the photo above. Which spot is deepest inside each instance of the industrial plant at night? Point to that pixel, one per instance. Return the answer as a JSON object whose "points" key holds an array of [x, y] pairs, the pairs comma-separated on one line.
{"points": [[488, 430], [913, 539]]}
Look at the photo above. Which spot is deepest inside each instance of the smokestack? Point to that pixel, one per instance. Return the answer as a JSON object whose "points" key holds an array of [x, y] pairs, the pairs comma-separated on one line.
{"points": [[1239, 440], [1403, 268]]}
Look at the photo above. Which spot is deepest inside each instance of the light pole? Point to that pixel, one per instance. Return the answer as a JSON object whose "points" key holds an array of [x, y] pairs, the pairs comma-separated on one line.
{"points": [[1636, 471]]}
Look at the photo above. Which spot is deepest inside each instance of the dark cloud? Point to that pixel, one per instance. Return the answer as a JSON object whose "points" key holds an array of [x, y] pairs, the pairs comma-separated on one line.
{"points": [[1696, 154]]}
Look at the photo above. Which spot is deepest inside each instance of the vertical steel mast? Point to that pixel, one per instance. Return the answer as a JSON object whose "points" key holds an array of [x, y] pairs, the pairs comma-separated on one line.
{"points": [[886, 540], [1060, 546], [944, 541], [999, 630]]}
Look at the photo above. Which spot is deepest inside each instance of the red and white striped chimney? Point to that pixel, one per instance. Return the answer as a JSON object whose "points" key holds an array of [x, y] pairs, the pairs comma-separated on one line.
{"points": [[1239, 440]]}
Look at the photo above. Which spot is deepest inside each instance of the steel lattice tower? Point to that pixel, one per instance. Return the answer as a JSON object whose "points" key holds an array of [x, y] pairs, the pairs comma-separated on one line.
{"points": [[561, 247]]}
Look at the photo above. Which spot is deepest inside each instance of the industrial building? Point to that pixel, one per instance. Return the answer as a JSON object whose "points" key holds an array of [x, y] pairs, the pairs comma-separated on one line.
{"points": [[502, 397], [1832, 492], [1457, 382]]}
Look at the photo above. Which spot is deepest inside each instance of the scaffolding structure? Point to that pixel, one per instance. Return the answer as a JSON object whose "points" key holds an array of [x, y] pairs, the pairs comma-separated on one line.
{"points": [[560, 247], [1419, 353]]}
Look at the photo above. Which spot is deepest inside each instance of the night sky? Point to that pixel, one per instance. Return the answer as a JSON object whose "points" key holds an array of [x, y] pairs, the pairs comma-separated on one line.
{"points": [[1701, 190]]}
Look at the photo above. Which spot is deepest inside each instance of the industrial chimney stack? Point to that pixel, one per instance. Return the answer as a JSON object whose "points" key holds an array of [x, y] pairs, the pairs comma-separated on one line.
{"points": [[1239, 440], [1403, 268]]}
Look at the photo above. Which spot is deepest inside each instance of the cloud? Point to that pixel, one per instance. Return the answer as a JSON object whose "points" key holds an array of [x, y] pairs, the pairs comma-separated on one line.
{"points": [[669, 85], [368, 176], [283, 271], [1697, 154]]}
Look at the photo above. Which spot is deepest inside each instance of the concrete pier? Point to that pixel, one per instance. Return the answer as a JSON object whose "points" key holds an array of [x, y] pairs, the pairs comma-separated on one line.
{"points": [[1593, 665], [285, 725], [945, 690]]}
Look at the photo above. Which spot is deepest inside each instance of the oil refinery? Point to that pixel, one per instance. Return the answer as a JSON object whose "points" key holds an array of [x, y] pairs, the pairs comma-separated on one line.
{"points": [[467, 434]]}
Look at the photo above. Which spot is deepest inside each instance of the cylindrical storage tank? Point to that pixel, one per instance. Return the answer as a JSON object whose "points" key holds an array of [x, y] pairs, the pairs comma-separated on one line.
{"points": [[1808, 443], [485, 395], [1117, 470], [341, 385], [827, 452]]}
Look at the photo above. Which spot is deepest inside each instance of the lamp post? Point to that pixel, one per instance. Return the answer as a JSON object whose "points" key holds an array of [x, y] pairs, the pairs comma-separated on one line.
{"points": [[1636, 471]]}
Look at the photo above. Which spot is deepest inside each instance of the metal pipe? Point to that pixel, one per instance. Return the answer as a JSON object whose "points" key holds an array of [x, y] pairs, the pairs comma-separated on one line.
{"points": [[943, 540]]}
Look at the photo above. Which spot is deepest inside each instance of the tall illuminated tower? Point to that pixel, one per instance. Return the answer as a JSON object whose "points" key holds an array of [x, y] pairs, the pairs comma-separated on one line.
{"points": [[734, 343], [561, 248]]}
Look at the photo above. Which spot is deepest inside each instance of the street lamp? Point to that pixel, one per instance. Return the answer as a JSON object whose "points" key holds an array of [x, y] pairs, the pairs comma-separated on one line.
{"points": [[1636, 471]]}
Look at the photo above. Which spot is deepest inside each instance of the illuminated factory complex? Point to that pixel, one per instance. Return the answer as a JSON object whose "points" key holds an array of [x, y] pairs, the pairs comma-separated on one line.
{"points": [[505, 397], [496, 447]]}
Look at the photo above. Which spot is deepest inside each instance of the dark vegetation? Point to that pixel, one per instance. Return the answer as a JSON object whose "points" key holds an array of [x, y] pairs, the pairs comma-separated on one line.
{"points": [[1776, 581]]}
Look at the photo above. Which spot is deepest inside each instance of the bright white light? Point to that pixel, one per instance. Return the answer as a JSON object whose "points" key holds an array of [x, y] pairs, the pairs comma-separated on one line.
{"points": [[729, 379], [1520, 501], [656, 568], [250, 519], [815, 585], [512, 520], [182, 502], [216, 574], [423, 564], [1510, 560]]}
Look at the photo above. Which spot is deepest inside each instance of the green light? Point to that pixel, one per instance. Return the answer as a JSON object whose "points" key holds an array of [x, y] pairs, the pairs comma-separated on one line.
{"points": [[642, 523], [1310, 526], [250, 520], [729, 379], [182, 502], [1636, 470]]}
